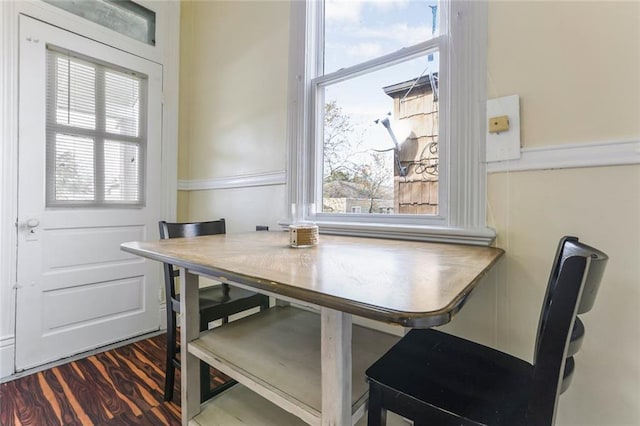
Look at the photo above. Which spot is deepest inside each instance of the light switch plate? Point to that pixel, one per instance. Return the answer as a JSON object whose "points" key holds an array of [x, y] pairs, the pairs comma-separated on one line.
{"points": [[504, 145]]}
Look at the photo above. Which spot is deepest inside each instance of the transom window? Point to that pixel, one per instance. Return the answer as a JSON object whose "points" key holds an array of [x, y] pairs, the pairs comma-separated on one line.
{"points": [[387, 119], [124, 16], [96, 135]]}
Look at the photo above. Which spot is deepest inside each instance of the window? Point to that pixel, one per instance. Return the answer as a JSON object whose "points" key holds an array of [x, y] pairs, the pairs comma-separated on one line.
{"points": [[379, 120], [123, 16], [95, 133], [388, 116]]}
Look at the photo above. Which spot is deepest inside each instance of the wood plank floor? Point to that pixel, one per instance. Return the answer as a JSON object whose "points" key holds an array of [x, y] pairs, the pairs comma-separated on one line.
{"points": [[123, 386]]}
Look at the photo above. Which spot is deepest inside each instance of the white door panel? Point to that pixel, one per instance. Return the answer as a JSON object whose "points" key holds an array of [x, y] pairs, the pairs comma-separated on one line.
{"points": [[76, 289], [75, 247], [92, 302]]}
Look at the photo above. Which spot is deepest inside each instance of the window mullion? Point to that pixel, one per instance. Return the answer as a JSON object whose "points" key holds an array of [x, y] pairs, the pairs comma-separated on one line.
{"points": [[91, 133]]}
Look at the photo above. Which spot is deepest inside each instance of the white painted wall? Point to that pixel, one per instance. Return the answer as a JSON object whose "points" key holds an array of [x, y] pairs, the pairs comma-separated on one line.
{"points": [[576, 66]]}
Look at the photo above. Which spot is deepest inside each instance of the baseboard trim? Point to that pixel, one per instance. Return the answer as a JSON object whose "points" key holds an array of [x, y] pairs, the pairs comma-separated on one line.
{"points": [[76, 357], [609, 153], [278, 177], [7, 353]]}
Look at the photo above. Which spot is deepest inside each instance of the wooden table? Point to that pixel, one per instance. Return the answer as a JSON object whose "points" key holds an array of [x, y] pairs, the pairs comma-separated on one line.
{"points": [[413, 284]]}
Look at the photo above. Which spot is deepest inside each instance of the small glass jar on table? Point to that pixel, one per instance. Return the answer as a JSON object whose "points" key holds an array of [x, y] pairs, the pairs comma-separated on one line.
{"points": [[302, 232]]}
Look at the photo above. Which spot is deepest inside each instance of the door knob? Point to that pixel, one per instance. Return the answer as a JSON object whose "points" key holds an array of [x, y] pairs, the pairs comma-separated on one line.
{"points": [[32, 223]]}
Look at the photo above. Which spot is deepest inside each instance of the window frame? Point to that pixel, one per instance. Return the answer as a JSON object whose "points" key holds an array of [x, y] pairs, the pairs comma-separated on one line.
{"points": [[462, 99]]}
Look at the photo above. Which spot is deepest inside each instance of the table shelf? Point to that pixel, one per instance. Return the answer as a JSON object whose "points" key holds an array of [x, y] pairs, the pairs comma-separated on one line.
{"points": [[240, 406], [276, 353]]}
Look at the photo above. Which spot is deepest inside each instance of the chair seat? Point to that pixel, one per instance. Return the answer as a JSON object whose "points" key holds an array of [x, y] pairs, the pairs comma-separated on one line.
{"points": [[456, 376], [215, 296]]}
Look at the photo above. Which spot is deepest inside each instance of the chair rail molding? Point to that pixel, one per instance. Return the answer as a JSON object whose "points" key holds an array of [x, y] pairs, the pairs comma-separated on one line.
{"points": [[597, 154], [278, 177]]}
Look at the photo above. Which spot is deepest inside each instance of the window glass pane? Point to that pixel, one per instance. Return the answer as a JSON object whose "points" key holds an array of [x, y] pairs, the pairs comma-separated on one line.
{"points": [[73, 168], [75, 93], [123, 16], [380, 135], [95, 133], [122, 177], [356, 31], [122, 103]]}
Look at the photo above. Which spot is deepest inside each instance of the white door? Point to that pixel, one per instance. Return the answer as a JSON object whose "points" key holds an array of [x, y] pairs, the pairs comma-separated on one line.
{"points": [[89, 179]]}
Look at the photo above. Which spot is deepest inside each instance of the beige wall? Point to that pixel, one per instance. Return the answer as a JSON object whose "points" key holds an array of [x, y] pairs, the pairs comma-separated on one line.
{"points": [[234, 70], [531, 211], [576, 66], [233, 106]]}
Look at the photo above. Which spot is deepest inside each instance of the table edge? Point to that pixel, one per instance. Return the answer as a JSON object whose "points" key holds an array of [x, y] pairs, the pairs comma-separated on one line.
{"points": [[402, 318]]}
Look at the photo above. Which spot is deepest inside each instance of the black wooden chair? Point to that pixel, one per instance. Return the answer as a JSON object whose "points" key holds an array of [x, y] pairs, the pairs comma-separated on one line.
{"points": [[216, 302], [438, 379]]}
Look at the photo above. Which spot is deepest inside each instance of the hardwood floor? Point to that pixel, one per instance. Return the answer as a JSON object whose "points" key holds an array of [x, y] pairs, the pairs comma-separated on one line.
{"points": [[123, 386]]}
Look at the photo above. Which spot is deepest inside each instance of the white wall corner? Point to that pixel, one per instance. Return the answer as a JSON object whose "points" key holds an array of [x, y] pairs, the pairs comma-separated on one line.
{"points": [[171, 83]]}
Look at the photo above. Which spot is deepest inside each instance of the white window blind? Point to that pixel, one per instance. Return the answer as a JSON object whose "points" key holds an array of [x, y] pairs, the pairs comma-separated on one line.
{"points": [[96, 136]]}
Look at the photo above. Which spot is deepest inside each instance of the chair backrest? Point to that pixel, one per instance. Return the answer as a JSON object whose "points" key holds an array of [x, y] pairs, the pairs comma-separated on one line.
{"points": [[573, 284], [191, 229], [179, 230]]}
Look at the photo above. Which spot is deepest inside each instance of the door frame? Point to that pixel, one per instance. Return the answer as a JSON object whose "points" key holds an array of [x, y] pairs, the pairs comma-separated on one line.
{"points": [[165, 52]]}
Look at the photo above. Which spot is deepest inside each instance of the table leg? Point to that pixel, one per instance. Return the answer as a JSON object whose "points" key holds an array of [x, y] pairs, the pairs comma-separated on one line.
{"points": [[189, 330], [336, 368]]}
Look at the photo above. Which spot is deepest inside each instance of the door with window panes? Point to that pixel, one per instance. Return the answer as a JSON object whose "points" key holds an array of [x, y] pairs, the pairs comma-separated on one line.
{"points": [[89, 172]]}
